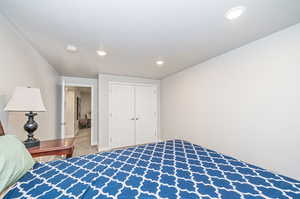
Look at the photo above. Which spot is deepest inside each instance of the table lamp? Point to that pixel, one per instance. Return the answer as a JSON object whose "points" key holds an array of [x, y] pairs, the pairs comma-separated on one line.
{"points": [[28, 100]]}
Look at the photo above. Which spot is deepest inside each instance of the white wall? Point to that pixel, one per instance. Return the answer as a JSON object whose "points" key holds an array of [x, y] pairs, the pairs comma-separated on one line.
{"points": [[103, 86], [245, 103], [22, 65]]}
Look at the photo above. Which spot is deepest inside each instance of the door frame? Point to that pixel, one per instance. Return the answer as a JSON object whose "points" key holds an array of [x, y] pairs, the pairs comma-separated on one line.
{"points": [[87, 83], [110, 83]]}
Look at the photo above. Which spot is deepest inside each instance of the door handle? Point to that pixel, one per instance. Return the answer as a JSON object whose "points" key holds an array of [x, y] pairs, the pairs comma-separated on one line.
{"points": [[132, 118], [136, 118]]}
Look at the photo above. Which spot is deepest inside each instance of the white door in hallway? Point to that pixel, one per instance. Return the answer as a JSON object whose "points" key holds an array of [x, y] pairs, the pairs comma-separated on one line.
{"points": [[121, 115], [69, 110], [146, 114]]}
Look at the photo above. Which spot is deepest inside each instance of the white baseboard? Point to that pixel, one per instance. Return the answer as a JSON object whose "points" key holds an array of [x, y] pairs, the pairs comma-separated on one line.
{"points": [[103, 149]]}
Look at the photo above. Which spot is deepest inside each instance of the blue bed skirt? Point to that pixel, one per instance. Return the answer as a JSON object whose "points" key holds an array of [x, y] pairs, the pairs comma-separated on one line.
{"points": [[171, 169]]}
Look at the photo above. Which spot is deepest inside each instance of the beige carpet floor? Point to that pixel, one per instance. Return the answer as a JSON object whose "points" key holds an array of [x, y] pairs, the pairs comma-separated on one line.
{"points": [[83, 143]]}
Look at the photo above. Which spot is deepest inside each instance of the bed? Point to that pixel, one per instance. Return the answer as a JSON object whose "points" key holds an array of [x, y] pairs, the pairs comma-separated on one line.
{"points": [[171, 169]]}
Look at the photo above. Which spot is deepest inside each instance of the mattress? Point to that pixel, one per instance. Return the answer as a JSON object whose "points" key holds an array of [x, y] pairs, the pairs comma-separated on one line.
{"points": [[171, 169]]}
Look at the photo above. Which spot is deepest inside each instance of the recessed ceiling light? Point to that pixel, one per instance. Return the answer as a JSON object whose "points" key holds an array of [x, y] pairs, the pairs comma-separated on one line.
{"points": [[235, 12], [71, 48], [101, 53], [160, 62]]}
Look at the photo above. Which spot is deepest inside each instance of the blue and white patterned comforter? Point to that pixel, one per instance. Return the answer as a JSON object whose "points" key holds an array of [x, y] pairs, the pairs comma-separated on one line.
{"points": [[171, 169]]}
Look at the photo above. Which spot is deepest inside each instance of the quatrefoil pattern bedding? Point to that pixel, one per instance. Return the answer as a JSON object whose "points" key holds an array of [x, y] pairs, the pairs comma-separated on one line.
{"points": [[171, 169]]}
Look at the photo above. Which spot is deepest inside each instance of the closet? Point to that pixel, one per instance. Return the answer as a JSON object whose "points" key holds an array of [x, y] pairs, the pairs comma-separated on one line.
{"points": [[133, 114]]}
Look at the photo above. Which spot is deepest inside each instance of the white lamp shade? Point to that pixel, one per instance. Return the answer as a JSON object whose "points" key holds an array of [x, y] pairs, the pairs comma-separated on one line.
{"points": [[25, 100]]}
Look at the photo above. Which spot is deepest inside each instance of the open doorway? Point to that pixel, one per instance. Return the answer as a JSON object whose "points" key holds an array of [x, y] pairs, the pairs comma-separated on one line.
{"points": [[78, 118]]}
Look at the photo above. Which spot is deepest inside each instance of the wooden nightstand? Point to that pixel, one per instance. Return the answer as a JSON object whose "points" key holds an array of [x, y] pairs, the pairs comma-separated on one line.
{"points": [[53, 147]]}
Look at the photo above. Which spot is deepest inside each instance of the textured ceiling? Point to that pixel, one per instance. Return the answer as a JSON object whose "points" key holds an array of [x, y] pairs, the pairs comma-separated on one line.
{"points": [[135, 33]]}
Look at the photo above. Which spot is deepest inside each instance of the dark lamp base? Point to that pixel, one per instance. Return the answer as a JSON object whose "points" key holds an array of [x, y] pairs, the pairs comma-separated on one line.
{"points": [[30, 127], [31, 143]]}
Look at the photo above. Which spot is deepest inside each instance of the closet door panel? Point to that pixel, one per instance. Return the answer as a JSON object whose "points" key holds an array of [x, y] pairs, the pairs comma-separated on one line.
{"points": [[121, 116], [146, 114]]}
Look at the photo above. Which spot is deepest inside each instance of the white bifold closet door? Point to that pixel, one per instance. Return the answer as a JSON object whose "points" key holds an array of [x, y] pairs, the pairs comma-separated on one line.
{"points": [[133, 114], [146, 114], [121, 119]]}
